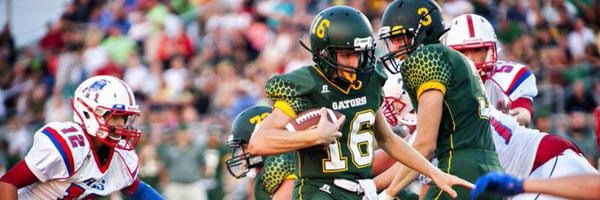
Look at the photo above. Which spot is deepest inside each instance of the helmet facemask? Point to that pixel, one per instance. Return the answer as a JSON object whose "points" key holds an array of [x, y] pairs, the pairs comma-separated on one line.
{"points": [[486, 67], [241, 161], [123, 136], [356, 76], [391, 108], [394, 57]]}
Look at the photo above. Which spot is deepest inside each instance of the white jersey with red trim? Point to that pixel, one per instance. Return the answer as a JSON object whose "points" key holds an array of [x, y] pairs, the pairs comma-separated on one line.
{"points": [[513, 81], [516, 145], [62, 159]]}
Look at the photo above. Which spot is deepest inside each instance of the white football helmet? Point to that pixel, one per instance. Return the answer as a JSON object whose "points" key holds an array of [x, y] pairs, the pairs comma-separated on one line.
{"points": [[397, 108], [97, 100], [470, 31]]}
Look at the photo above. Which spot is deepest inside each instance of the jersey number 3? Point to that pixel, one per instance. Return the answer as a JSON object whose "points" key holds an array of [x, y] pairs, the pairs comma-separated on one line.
{"points": [[359, 142]]}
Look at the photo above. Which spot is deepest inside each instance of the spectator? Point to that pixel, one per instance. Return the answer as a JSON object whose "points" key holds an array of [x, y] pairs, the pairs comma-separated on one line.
{"points": [[183, 163], [582, 135], [214, 157], [579, 38], [580, 99], [94, 55], [118, 46], [136, 74]]}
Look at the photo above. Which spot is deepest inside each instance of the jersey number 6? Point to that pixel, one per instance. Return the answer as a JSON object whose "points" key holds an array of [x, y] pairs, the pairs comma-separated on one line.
{"points": [[359, 142]]}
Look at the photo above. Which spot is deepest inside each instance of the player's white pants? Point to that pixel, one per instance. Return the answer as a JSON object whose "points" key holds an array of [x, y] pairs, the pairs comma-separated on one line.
{"points": [[568, 163]]}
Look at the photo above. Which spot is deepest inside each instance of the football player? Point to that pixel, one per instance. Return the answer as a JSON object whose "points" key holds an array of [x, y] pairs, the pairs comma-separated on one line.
{"points": [[346, 79], [90, 157], [447, 92], [509, 84], [522, 152], [275, 174]]}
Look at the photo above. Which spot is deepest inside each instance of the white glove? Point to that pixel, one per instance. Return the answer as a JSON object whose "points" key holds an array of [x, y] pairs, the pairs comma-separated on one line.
{"points": [[384, 196]]}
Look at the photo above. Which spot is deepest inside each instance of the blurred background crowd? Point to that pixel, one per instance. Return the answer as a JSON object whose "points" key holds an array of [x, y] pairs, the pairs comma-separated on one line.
{"points": [[194, 64]]}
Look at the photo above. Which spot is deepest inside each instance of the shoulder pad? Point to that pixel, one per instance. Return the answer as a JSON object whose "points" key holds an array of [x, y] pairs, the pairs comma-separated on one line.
{"points": [[291, 87], [516, 80], [59, 149], [426, 64]]}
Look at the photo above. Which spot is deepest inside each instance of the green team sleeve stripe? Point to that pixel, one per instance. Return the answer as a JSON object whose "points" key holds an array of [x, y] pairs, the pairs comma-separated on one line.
{"points": [[431, 85]]}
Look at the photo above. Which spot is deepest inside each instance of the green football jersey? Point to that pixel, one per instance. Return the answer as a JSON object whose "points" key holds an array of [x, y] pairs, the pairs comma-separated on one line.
{"points": [[465, 118], [351, 156], [275, 170]]}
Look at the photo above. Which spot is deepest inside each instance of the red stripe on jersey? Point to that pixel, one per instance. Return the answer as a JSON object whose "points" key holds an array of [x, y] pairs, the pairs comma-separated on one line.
{"points": [[550, 147], [504, 132], [470, 24], [516, 79]]}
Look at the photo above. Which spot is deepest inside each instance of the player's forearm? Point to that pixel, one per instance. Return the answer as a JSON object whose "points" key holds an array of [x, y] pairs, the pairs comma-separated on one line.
{"points": [[403, 178], [273, 141], [429, 118], [8, 191], [384, 179], [578, 187], [398, 149]]}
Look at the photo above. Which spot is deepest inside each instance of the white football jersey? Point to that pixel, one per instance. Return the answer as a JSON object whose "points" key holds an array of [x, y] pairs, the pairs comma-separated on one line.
{"points": [[516, 145], [62, 159]]}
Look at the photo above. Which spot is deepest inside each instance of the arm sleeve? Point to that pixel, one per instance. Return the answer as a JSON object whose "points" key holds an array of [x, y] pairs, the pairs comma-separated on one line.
{"points": [[277, 169], [523, 102], [287, 95], [426, 69], [141, 191], [19, 176], [49, 157]]}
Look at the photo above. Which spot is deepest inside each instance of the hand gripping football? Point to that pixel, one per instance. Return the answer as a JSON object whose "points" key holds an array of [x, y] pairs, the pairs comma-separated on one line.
{"points": [[310, 119]]}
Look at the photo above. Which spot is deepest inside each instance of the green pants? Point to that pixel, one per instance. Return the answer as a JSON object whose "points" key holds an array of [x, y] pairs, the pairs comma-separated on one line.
{"points": [[309, 188], [467, 164]]}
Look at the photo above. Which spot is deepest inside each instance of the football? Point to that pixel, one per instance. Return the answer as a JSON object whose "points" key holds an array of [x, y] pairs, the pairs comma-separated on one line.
{"points": [[310, 118]]}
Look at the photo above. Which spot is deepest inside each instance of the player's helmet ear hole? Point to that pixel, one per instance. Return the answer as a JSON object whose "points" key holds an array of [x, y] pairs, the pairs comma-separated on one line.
{"points": [[86, 115]]}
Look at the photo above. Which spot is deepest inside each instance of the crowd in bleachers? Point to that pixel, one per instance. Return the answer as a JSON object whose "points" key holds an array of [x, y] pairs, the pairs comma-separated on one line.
{"points": [[194, 64]]}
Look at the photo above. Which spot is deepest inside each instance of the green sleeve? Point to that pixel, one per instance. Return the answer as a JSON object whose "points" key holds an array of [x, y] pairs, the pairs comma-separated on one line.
{"points": [[427, 68], [275, 170], [290, 89]]}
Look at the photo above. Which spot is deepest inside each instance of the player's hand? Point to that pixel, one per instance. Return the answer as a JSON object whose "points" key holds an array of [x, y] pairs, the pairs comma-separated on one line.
{"points": [[503, 106], [446, 181], [498, 183], [326, 131]]}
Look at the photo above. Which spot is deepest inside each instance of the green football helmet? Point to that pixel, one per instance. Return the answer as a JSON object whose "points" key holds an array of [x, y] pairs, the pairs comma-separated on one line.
{"points": [[242, 128], [343, 29], [415, 22]]}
